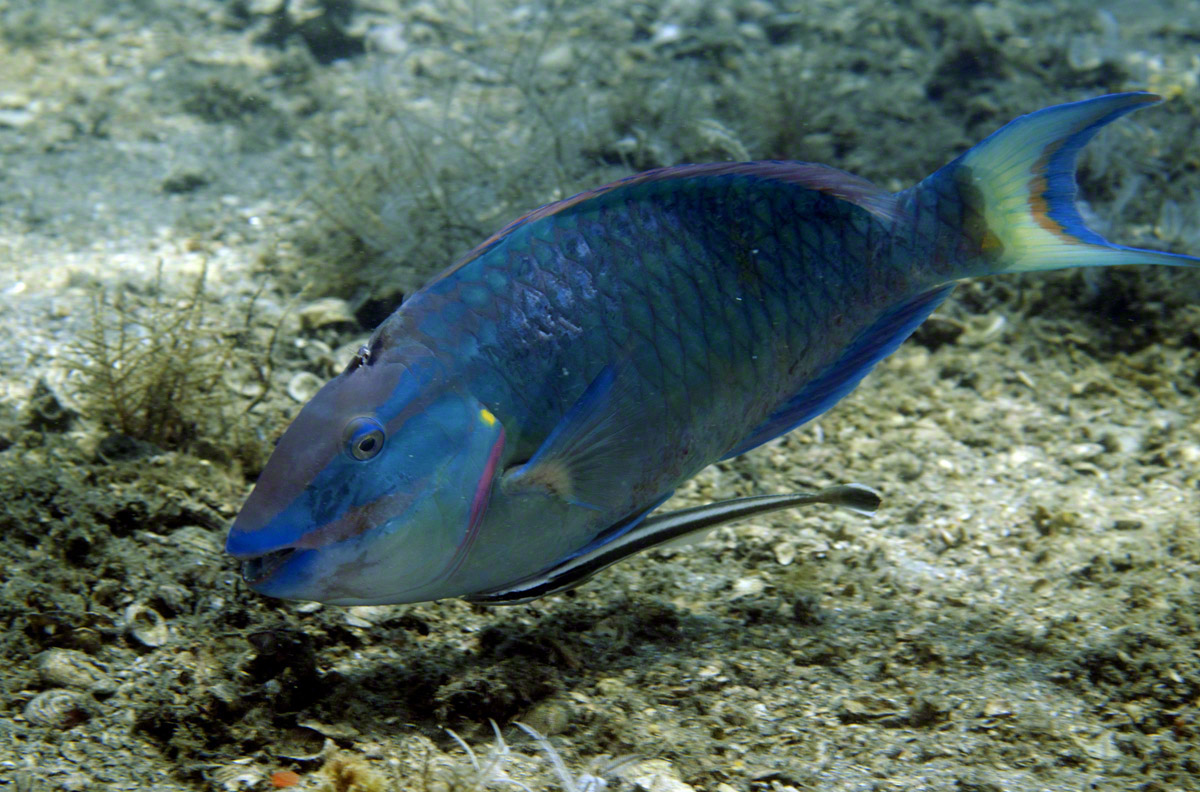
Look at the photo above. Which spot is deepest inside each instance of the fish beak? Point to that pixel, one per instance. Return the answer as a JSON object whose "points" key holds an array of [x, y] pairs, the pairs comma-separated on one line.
{"points": [[408, 543], [258, 569]]}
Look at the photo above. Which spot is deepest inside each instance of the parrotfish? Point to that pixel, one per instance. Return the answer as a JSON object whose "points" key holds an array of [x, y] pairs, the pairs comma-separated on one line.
{"points": [[511, 429]]}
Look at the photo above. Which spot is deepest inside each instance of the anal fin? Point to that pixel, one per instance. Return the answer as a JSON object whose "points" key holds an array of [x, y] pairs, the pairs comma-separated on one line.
{"points": [[839, 378]]}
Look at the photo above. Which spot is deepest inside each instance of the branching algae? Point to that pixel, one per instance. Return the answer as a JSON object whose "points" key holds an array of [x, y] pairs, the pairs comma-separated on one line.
{"points": [[151, 366]]}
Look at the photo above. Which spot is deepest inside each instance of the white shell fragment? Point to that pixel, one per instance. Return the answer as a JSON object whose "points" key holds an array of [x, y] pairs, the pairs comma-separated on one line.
{"points": [[302, 743], [238, 775], [325, 312], [57, 708], [654, 775], [69, 668], [747, 587], [303, 386], [146, 626]]}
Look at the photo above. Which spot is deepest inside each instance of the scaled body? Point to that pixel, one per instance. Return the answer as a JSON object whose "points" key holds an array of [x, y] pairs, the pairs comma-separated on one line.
{"points": [[533, 403]]}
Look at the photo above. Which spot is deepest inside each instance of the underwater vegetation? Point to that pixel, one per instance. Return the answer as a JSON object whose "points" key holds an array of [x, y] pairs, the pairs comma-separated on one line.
{"points": [[428, 770], [1022, 616], [482, 116], [467, 115], [152, 366]]}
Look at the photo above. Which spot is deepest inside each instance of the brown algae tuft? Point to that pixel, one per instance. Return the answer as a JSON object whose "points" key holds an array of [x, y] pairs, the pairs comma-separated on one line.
{"points": [[152, 366]]}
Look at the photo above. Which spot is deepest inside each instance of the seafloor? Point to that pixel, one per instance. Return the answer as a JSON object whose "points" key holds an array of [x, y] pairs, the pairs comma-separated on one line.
{"points": [[205, 204]]}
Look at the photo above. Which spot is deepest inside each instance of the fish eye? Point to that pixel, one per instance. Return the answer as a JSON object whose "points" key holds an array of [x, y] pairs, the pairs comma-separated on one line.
{"points": [[364, 438]]}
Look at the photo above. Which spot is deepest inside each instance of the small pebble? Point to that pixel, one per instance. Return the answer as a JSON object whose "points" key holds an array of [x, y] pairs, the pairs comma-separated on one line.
{"points": [[549, 717], [326, 312], [58, 708], [654, 775], [748, 587], [282, 779], [70, 668], [303, 386], [16, 119], [997, 709]]}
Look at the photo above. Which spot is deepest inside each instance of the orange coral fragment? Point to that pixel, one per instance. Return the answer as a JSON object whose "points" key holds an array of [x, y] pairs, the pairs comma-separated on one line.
{"points": [[282, 779]]}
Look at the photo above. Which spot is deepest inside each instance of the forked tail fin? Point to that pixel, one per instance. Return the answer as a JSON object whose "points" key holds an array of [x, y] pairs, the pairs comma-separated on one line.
{"points": [[1020, 182]]}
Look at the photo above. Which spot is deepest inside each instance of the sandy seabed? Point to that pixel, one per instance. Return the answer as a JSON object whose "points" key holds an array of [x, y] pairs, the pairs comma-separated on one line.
{"points": [[1020, 615]]}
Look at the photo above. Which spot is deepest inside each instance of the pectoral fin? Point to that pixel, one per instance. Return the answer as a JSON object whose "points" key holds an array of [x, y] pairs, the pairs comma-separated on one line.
{"points": [[586, 457], [658, 529]]}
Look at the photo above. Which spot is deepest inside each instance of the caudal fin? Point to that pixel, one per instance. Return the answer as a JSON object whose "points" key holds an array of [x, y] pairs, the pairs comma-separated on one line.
{"points": [[1021, 182]]}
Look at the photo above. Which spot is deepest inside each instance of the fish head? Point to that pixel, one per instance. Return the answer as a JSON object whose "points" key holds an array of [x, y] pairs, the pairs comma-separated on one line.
{"points": [[375, 492]]}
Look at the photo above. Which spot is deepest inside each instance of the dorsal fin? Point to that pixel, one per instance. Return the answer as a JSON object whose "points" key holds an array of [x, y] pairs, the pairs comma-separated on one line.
{"points": [[809, 175]]}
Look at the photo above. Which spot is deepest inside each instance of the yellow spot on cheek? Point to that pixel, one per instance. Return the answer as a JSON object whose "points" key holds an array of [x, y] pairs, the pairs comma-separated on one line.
{"points": [[487, 417]]}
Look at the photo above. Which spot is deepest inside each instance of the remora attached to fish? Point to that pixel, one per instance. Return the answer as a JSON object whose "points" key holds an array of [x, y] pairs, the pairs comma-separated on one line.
{"points": [[510, 429], [662, 528]]}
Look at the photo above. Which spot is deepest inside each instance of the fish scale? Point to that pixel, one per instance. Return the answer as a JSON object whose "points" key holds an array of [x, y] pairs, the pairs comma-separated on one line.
{"points": [[727, 391], [511, 429]]}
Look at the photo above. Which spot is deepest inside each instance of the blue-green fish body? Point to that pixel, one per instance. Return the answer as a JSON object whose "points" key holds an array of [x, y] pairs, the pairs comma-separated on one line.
{"points": [[508, 429]]}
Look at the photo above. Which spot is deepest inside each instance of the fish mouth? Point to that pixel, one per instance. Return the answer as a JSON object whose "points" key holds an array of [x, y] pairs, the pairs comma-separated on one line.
{"points": [[256, 570]]}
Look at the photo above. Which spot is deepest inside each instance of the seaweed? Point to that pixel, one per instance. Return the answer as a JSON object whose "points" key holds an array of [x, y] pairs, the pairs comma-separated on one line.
{"points": [[344, 771], [484, 116], [420, 179], [31, 25], [151, 367]]}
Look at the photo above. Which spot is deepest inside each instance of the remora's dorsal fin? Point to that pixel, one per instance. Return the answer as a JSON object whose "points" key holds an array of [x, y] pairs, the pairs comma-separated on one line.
{"points": [[659, 529], [1020, 181]]}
